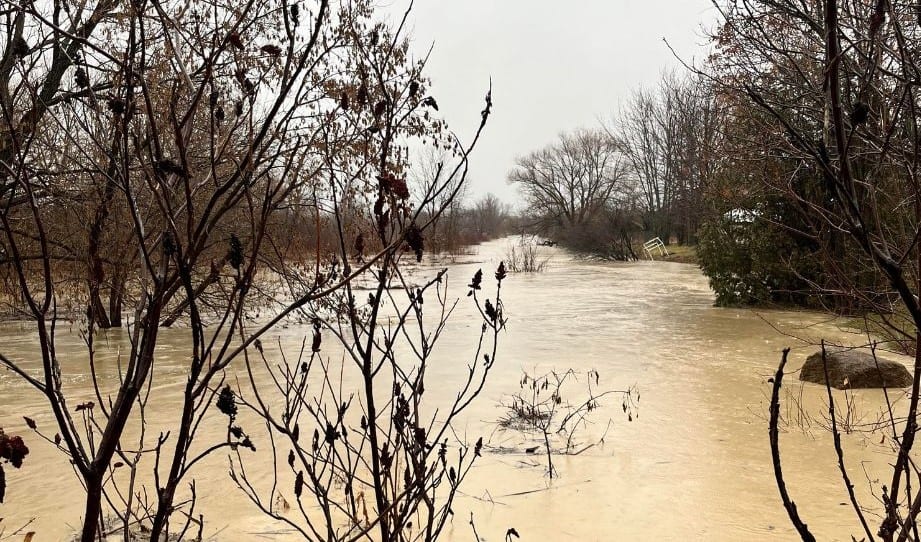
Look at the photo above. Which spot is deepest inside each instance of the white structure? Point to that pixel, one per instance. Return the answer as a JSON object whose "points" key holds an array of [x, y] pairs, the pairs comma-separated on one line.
{"points": [[654, 244]]}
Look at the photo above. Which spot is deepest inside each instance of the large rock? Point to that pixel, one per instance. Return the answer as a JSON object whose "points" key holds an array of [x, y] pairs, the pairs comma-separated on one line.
{"points": [[848, 369]]}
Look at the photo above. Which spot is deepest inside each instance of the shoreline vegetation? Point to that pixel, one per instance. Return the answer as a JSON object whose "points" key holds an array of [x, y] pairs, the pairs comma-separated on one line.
{"points": [[232, 167], [227, 168], [272, 283]]}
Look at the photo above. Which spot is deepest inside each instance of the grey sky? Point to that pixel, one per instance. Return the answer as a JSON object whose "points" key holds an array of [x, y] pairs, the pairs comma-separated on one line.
{"points": [[555, 66]]}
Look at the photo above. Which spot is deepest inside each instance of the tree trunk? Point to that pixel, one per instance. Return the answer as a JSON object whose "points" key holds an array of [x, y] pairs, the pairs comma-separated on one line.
{"points": [[97, 275], [116, 300], [93, 509], [167, 494], [96, 310]]}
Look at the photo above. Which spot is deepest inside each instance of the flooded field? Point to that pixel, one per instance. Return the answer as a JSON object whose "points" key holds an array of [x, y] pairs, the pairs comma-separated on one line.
{"points": [[693, 464]]}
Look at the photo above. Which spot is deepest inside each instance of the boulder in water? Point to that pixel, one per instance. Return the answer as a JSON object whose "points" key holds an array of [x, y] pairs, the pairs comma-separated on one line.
{"points": [[850, 369]]}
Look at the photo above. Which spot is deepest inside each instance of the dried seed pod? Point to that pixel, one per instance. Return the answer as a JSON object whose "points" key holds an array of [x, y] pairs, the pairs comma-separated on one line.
{"points": [[235, 252], [168, 244], [491, 312], [81, 78], [20, 47], [236, 41], [299, 484], [500, 272], [226, 402], [380, 108], [475, 283], [860, 113], [271, 49], [415, 241], [430, 102], [116, 105]]}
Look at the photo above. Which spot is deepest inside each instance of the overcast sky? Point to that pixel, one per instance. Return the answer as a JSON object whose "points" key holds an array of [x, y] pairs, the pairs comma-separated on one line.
{"points": [[555, 66]]}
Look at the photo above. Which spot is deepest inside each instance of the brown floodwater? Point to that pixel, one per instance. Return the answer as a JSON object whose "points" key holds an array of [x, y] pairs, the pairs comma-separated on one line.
{"points": [[694, 463]]}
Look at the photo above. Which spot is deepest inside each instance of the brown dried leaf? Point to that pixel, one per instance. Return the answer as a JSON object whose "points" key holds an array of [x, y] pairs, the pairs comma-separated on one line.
{"points": [[299, 484]]}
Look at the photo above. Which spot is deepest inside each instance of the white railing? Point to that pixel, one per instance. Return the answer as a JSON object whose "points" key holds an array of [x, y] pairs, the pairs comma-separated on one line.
{"points": [[654, 244]]}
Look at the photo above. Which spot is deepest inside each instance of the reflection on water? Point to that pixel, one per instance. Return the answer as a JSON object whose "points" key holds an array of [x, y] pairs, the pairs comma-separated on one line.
{"points": [[694, 464]]}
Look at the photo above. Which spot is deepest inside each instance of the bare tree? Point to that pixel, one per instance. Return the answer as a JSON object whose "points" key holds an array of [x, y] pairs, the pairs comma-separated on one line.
{"points": [[431, 169], [189, 131], [489, 214], [567, 183], [671, 135]]}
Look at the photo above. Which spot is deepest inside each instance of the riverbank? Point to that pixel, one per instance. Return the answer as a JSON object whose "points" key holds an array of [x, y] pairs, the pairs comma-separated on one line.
{"points": [[682, 254]]}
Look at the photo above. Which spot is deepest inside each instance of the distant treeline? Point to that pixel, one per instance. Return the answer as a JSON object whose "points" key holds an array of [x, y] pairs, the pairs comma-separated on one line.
{"points": [[693, 160], [641, 174], [468, 222]]}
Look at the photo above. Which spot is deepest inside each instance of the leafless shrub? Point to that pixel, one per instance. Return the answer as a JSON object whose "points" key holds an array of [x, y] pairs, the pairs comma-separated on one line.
{"points": [[524, 256], [557, 405], [368, 448], [852, 415]]}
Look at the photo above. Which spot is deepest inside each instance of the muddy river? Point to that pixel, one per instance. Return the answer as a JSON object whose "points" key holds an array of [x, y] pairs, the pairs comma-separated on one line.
{"points": [[693, 463]]}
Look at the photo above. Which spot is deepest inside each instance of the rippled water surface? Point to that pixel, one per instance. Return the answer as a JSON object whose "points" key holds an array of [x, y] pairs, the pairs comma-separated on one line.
{"points": [[694, 464]]}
